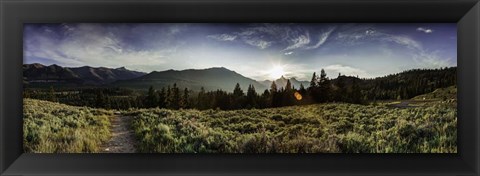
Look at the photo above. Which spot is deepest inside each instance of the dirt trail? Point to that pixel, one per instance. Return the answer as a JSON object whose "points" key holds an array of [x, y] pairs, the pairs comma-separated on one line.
{"points": [[123, 140]]}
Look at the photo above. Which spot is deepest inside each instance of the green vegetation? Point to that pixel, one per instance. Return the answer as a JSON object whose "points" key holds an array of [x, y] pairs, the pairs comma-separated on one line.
{"points": [[332, 127], [57, 128], [444, 94]]}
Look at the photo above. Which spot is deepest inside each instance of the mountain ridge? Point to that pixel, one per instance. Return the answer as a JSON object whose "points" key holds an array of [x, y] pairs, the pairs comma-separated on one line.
{"points": [[85, 75]]}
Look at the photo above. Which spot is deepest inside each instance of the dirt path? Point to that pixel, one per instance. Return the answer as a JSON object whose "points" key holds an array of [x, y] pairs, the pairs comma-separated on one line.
{"points": [[123, 140]]}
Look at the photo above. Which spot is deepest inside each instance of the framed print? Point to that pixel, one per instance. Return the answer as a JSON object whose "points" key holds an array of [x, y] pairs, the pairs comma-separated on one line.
{"points": [[231, 87]]}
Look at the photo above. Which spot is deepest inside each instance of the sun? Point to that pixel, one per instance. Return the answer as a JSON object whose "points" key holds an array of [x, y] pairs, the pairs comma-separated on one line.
{"points": [[276, 72]]}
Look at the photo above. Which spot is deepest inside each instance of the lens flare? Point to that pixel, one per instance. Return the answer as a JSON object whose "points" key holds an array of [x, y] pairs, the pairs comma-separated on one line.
{"points": [[298, 96]]}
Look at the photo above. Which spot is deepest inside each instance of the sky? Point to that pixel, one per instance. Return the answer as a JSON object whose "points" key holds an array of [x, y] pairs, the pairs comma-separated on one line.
{"points": [[261, 51]]}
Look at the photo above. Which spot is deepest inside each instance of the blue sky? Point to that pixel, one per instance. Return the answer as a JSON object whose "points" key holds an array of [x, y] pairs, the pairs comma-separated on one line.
{"points": [[259, 51]]}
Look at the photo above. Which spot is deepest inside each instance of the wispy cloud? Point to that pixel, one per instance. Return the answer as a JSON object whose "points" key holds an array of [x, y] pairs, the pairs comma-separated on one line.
{"points": [[403, 40], [425, 30], [222, 37], [262, 44], [299, 42], [323, 38], [288, 53], [91, 45], [431, 60]]}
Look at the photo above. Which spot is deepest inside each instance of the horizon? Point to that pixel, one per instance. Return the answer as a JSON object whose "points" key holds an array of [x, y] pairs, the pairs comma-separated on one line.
{"points": [[257, 51], [286, 77]]}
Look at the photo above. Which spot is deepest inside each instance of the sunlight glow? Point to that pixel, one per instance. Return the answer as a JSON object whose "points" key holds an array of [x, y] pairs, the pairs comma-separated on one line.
{"points": [[276, 72]]}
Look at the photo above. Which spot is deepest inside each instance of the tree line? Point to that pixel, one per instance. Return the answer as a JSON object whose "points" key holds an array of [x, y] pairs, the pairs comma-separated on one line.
{"points": [[322, 89]]}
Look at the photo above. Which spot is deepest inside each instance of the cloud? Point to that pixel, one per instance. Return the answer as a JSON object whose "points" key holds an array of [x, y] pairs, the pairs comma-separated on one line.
{"points": [[298, 42], [262, 44], [323, 38], [431, 60], [288, 53], [222, 37], [346, 70], [404, 40], [92, 45], [425, 30]]}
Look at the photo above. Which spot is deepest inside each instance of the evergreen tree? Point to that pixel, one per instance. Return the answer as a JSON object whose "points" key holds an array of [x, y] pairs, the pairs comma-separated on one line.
{"points": [[314, 81], [288, 98], [340, 92], [185, 99], [152, 98], [175, 104], [275, 95], [237, 91], [265, 99], [201, 103], [162, 95], [324, 87], [251, 97], [237, 97], [169, 98]]}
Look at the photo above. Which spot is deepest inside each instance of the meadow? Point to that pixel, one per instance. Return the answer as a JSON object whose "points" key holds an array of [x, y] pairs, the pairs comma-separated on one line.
{"points": [[427, 125], [57, 128], [320, 128]]}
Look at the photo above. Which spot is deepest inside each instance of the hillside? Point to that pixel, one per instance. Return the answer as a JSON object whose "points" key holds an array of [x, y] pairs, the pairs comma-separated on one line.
{"points": [[193, 79], [449, 93], [41, 75]]}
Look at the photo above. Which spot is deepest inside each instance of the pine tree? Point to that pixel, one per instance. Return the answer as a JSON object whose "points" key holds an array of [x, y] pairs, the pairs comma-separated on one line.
{"points": [[314, 81], [237, 91], [162, 95], [237, 101], [324, 87], [251, 97], [288, 87], [265, 99], [275, 95], [185, 99], [287, 95], [201, 104], [175, 97], [169, 98], [152, 98]]}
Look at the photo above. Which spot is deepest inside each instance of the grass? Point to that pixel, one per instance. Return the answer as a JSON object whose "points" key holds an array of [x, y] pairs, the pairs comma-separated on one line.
{"points": [[321, 128], [57, 128]]}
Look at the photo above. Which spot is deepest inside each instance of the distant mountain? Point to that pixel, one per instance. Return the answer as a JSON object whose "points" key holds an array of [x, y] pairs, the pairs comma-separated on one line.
{"points": [[38, 74], [282, 82], [211, 79]]}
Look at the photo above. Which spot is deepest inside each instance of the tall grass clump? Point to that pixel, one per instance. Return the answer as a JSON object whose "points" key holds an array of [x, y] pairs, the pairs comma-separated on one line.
{"points": [[56, 128]]}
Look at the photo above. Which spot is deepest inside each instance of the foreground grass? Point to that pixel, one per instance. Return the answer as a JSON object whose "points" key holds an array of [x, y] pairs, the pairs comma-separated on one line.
{"points": [[57, 128], [324, 128]]}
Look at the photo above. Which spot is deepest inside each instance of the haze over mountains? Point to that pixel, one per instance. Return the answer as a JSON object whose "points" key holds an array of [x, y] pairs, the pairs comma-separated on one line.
{"points": [[282, 82], [211, 78]]}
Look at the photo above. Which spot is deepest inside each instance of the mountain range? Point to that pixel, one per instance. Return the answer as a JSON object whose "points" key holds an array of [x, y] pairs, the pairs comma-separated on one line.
{"points": [[210, 79], [38, 74]]}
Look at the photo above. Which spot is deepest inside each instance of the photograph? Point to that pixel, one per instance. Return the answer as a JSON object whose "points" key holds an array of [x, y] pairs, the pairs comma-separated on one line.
{"points": [[242, 88]]}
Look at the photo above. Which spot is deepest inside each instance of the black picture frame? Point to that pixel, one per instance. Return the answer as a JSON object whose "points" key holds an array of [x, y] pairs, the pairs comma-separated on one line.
{"points": [[13, 14]]}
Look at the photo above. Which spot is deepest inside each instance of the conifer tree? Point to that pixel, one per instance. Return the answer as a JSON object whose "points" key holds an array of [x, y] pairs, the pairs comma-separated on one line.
{"points": [[185, 99], [251, 97]]}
